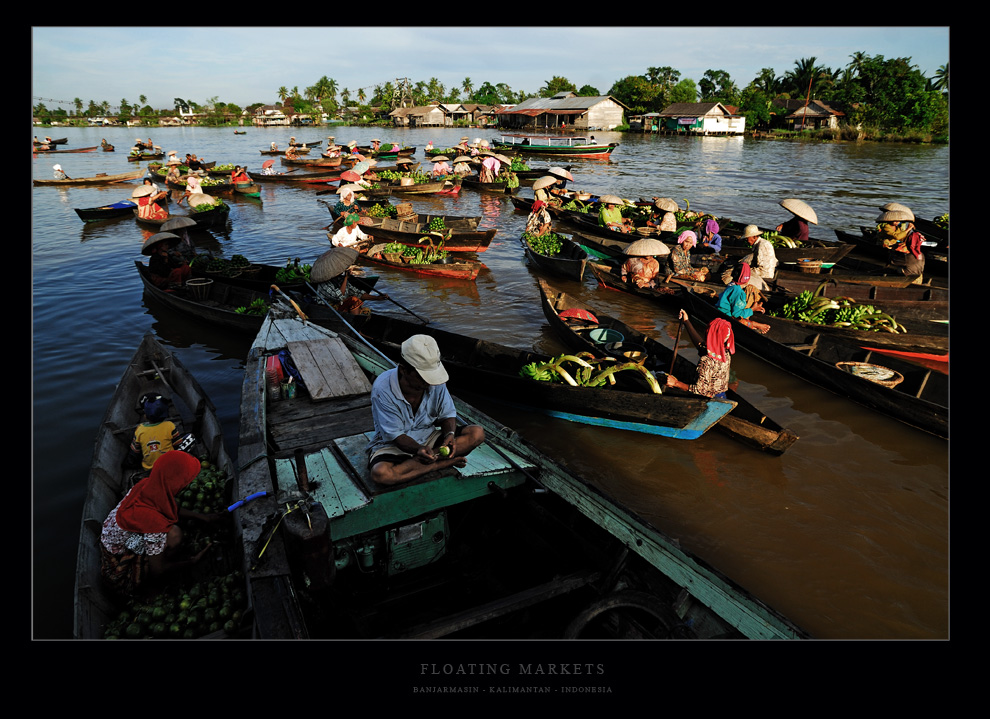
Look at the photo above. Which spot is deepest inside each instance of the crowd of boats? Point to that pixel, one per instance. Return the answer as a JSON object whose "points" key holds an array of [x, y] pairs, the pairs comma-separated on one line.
{"points": [[513, 544]]}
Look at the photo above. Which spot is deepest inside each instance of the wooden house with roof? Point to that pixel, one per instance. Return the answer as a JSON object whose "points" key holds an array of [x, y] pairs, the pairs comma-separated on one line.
{"points": [[700, 118], [563, 110], [802, 114]]}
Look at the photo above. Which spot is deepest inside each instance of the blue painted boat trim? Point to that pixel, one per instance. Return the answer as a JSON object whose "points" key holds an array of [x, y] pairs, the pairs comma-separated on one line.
{"points": [[707, 419]]}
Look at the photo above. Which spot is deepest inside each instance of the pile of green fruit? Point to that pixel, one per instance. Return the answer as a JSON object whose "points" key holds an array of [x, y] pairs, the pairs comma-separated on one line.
{"points": [[239, 261], [437, 224], [189, 611], [217, 264], [838, 312], [293, 273], [205, 494], [942, 221], [380, 210], [258, 307], [549, 244], [778, 240]]}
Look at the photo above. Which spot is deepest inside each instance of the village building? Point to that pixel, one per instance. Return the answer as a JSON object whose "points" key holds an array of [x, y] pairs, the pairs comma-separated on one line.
{"points": [[801, 114], [565, 110], [696, 118]]}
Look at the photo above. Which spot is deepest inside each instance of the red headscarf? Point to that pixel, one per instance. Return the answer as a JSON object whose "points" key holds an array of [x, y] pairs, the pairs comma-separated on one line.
{"points": [[744, 273], [719, 333], [150, 508], [539, 205]]}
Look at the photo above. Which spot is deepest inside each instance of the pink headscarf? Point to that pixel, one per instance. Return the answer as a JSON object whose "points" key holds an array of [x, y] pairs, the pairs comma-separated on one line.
{"points": [[720, 333], [687, 235], [744, 273], [711, 226]]}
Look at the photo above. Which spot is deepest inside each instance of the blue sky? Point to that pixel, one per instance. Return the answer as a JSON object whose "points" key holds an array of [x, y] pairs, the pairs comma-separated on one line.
{"points": [[243, 65]]}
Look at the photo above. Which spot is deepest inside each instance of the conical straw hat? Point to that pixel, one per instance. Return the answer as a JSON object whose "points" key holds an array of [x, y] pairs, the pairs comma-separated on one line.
{"points": [[895, 216], [801, 209], [544, 181], [168, 237], [897, 207], [666, 204], [647, 247]]}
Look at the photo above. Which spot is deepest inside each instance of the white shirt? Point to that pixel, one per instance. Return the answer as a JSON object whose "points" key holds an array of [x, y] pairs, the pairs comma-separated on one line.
{"points": [[343, 238]]}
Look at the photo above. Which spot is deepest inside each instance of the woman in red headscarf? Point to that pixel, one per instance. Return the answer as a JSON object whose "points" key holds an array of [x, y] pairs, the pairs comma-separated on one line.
{"points": [[715, 359], [141, 536]]}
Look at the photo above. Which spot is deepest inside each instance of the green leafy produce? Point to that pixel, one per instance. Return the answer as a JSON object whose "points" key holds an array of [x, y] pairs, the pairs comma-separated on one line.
{"points": [[293, 272], [549, 244]]}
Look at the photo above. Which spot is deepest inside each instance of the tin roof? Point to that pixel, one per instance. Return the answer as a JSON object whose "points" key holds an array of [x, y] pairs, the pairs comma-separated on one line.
{"points": [[560, 104]]}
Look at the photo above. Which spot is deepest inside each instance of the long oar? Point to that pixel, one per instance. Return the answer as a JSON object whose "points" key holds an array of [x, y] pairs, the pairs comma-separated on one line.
{"points": [[367, 288], [677, 340]]}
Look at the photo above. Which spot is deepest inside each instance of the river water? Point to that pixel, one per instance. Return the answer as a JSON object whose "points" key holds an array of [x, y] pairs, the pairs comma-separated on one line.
{"points": [[847, 534]]}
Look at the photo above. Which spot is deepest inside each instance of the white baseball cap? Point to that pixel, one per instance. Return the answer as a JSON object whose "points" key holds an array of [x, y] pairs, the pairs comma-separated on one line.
{"points": [[423, 355]]}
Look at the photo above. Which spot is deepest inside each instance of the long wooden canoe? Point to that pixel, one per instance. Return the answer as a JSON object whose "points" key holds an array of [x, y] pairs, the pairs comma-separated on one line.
{"points": [[453, 268], [472, 182], [124, 208], [385, 229], [153, 368], [745, 423], [936, 260], [94, 148], [489, 369], [100, 179], [920, 399], [510, 545], [204, 219]]}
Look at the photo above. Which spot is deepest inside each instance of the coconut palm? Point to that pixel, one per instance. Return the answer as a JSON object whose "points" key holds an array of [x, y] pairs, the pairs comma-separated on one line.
{"points": [[468, 87], [941, 80], [283, 93]]}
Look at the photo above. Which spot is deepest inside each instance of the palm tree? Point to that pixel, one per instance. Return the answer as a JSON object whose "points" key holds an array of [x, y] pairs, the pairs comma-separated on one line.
{"points": [[801, 79], [941, 81], [79, 105], [361, 96], [283, 93], [468, 87]]}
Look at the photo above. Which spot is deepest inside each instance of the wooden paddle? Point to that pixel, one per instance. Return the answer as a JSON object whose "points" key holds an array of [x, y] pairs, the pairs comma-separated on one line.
{"points": [[677, 340]]}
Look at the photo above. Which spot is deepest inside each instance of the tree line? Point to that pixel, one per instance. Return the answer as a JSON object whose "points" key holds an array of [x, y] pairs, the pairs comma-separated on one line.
{"points": [[890, 95]]}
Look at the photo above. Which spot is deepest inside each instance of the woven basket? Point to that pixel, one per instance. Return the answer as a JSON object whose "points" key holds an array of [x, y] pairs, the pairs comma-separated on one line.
{"points": [[199, 287], [809, 265], [393, 256], [872, 372]]}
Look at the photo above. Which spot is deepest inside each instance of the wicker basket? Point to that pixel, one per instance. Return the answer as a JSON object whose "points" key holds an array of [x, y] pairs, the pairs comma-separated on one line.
{"points": [[199, 287], [393, 256], [250, 270], [809, 265], [872, 372]]}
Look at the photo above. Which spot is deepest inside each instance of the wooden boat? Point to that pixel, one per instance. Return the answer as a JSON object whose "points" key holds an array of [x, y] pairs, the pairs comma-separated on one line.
{"points": [[218, 304], [536, 551], [59, 141], [247, 189], [386, 229], [554, 146], [146, 156], [100, 179], [297, 176], [38, 151], [745, 423], [456, 222], [488, 369], [204, 219], [451, 268], [936, 260], [920, 398], [152, 369], [240, 132], [313, 161], [300, 150], [570, 262], [502, 188], [124, 208]]}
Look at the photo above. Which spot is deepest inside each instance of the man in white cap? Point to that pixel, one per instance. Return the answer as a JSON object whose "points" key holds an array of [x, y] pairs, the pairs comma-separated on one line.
{"points": [[416, 428]]}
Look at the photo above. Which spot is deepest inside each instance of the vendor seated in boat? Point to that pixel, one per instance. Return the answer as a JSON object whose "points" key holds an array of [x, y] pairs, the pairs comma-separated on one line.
{"points": [[59, 173], [741, 300], [291, 153], [538, 223], [166, 265], [147, 201], [347, 204], [896, 232], [715, 350], [610, 216], [642, 267], [239, 175], [416, 430], [141, 539], [711, 241], [351, 234], [679, 260], [662, 217]]}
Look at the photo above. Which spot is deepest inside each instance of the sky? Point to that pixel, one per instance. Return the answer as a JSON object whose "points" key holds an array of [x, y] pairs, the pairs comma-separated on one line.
{"points": [[245, 65]]}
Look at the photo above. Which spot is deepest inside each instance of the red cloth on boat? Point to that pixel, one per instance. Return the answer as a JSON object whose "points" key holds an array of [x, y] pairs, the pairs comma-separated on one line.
{"points": [[151, 507]]}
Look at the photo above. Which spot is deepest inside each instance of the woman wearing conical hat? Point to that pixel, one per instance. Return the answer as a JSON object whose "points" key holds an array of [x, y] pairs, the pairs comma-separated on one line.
{"points": [[797, 227]]}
